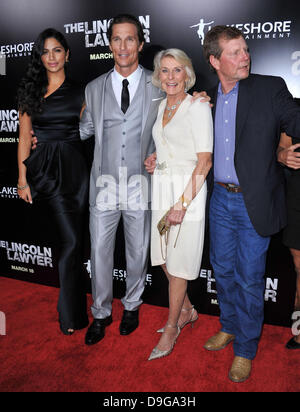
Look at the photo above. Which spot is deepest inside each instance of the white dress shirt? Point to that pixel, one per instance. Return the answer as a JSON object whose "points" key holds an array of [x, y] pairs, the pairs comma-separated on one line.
{"points": [[133, 80]]}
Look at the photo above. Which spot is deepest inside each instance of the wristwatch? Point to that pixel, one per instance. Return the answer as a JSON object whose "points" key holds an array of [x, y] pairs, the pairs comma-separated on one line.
{"points": [[185, 202]]}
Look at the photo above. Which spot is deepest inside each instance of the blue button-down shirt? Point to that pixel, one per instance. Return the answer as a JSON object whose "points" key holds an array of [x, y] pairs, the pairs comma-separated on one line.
{"points": [[224, 148]]}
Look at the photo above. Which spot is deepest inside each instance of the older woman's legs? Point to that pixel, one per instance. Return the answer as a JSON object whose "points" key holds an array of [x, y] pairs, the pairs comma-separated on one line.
{"points": [[186, 314], [177, 300]]}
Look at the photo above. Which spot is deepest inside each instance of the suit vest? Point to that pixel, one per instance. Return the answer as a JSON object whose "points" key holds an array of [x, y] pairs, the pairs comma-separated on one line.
{"points": [[122, 133]]}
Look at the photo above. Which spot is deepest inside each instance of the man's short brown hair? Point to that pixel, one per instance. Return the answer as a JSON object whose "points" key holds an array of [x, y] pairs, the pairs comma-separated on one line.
{"points": [[211, 44]]}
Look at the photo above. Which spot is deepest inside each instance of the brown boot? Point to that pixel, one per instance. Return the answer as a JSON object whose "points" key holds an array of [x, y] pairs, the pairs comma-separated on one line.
{"points": [[219, 341], [240, 369]]}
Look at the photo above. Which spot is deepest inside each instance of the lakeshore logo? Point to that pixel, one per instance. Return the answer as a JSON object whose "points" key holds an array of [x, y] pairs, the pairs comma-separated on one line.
{"points": [[121, 275], [95, 32], [16, 50], [88, 267], [8, 192], [252, 30], [118, 274], [9, 121], [201, 27], [265, 30], [24, 253]]}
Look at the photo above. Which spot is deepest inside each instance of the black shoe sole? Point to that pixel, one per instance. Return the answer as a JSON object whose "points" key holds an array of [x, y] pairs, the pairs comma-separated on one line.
{"points": [[128, 332]]}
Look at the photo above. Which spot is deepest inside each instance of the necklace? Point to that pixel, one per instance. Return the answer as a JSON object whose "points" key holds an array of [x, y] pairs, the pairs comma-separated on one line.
{"points": [[171, 109]]}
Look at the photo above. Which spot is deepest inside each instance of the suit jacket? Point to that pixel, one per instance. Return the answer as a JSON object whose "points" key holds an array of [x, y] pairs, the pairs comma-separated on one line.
{"points": [[92, 123], [265, 107]]}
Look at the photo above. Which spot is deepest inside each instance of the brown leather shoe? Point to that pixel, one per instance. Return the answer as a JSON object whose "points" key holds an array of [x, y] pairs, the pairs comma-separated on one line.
{"points": [[240, 369], [219, 341]]}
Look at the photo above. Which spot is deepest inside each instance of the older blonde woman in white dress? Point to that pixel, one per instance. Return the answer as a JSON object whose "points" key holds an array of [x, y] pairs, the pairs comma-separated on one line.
{"points": [[183, 135]]}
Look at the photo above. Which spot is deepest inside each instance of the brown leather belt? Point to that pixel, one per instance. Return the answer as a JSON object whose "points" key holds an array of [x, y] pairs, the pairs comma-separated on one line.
{"points": [[230, 187]]}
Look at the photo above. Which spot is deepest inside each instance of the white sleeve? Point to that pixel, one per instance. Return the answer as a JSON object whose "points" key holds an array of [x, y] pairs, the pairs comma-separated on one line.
{"points": [[201, 123]]}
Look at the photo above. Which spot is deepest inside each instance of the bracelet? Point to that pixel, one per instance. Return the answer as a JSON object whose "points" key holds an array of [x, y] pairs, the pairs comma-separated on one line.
{"points": [[22, 187]]}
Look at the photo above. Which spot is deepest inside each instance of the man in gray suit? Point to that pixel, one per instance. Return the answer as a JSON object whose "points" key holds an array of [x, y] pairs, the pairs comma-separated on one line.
{"points": [[121, 107]]}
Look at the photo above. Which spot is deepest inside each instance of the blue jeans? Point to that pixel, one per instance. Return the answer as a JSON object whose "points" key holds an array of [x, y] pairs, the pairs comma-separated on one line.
{"points": [[238, 256]]}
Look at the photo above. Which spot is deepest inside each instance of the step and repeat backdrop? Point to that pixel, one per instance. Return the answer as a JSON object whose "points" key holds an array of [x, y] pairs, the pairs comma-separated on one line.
{"points": [[28, 240]]}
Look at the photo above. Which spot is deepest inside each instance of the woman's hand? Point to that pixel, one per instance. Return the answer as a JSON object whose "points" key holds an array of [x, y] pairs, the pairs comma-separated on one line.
{"points": [[176, 214], [25, 194], [289, 157], [34, 140]]}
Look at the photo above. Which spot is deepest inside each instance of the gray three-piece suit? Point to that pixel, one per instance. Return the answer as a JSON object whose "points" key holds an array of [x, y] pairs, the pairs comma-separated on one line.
{"points": [[122, 143]]}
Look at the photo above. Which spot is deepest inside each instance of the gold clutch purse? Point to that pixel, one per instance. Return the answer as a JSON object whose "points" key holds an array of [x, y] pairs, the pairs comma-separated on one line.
{"points": [[163, 226]]}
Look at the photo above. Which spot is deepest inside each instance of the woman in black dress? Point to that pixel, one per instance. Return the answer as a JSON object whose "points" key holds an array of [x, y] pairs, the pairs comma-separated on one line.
{"points": [[288, 154], [55, 174]]}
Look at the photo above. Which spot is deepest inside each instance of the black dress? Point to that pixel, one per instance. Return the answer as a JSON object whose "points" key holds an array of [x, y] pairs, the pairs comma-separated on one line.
{"points": [[58, 176], [291, 234]]}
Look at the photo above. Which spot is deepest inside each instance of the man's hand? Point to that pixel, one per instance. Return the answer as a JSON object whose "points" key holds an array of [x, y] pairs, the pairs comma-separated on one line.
{"points": [[150, 163], [33, 140], [203, 96], [289, 157]]}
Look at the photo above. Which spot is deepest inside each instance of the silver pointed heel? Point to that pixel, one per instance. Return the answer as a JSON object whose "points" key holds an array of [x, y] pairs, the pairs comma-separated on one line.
{"points": [[157, 353], [191, 320]]}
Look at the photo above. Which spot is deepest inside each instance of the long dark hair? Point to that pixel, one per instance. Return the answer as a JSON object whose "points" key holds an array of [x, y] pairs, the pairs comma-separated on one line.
{"points": [[33, 86]]}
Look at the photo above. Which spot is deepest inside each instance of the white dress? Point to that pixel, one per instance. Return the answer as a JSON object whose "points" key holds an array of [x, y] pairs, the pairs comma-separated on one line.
{"points": [[189, 132]]}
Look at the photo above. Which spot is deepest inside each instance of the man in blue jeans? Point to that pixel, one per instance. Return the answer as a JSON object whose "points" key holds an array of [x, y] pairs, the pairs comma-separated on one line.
{"points": [[247, 204]]}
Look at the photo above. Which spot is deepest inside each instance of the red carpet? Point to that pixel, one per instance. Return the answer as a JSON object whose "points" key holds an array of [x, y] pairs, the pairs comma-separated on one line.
{"points": [[36, 357]]}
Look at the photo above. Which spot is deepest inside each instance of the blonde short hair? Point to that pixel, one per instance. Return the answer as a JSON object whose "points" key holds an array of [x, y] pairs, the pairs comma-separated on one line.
{"points": [[181, 57]]}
